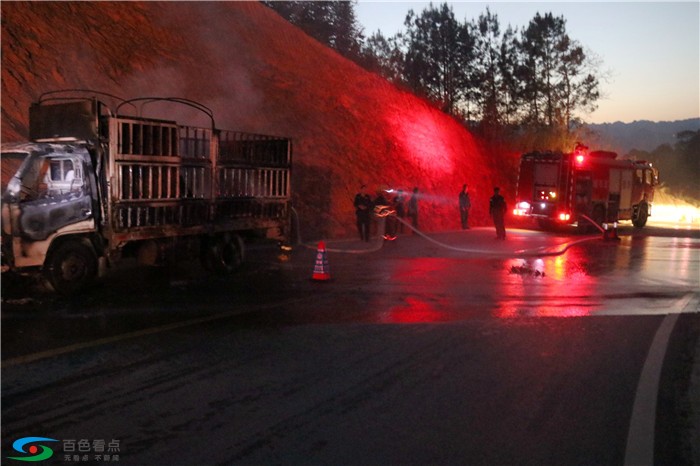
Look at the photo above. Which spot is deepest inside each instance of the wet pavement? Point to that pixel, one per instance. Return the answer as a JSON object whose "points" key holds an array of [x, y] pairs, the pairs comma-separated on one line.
{"points": [[437, 278]]}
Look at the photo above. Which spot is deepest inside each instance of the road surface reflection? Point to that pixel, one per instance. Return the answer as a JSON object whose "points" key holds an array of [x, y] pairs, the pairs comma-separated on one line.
{"points": [[635, 275]]}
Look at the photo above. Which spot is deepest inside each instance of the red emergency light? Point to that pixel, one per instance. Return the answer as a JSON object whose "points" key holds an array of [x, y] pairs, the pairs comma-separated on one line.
{"points": [[579, 159]]}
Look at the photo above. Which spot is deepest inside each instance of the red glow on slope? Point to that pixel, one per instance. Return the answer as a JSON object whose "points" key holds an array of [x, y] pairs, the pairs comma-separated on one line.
{"points": [[423, 137]]}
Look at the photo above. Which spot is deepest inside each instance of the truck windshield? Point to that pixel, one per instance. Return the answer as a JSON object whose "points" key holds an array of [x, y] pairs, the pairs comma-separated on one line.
{"points": [[44, 176]]}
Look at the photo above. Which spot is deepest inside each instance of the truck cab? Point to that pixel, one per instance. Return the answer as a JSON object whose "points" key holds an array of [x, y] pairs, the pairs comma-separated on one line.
{"points": [[49, 196]]}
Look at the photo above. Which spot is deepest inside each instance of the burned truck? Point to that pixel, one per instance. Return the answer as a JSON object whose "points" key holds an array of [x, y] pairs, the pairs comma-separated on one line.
{"points": [[96, 184]]}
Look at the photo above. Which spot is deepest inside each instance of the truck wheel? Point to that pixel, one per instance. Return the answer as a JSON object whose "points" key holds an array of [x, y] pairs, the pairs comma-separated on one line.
{"points": [[71, 267], [642, 215], [223, 254]]}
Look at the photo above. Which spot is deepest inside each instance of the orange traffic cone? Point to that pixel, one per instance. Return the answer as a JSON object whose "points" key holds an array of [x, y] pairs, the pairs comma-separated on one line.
{"points": [[321, 270], [610, 232]]}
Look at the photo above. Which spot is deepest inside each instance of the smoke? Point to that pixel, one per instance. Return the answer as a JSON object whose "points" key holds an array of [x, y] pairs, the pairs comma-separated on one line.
{"points": [[214, 71]]}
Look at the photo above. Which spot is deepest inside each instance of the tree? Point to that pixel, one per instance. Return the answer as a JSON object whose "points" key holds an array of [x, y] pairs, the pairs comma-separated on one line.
{"points": [[330, 22], [540, 47], [509, 62], [488, 79], [437, 48], [346, 37], [579, 88], [558, 80], [383, 56]]}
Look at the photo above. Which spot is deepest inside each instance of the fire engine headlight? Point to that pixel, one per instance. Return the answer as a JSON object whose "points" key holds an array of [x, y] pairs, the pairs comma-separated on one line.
{"points": [[524, 205]]}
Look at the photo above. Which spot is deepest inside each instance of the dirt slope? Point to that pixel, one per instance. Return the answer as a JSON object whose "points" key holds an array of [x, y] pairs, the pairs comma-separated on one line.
{"points": [[260, 74]]}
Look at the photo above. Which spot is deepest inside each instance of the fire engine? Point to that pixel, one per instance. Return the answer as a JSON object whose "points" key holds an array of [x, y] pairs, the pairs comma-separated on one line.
{"points": [[584, 186]]}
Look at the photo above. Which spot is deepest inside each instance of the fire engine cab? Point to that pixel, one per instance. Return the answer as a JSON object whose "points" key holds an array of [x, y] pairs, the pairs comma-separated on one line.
{"points": [[584, 186]]}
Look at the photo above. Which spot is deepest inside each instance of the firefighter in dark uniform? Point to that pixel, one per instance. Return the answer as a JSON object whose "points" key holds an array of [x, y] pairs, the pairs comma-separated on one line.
{"points": [[497, 210], [464, 205], [363, 210]]}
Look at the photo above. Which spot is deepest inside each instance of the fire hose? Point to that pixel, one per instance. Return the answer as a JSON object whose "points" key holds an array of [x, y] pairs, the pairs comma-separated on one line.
{"points": [[378, 243]]}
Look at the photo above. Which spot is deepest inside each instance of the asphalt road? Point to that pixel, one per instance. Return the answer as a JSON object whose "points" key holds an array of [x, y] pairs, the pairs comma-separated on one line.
{"points": [[447, 349]]}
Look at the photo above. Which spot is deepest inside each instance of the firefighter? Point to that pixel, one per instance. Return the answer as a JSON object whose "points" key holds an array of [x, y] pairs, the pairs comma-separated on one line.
{"points": [[363, 209], [497, 210], [464, 205]]}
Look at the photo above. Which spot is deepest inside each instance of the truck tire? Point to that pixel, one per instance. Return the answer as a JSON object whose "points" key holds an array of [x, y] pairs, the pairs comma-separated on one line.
{"points": [[223, 254], [640, 219], [71, 267]]}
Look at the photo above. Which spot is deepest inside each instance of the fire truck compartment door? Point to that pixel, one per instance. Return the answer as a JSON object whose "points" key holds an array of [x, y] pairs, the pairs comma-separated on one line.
{"points": [[621, 183]]}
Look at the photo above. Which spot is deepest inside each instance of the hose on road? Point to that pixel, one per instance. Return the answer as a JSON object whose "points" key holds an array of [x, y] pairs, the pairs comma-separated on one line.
{"points": [[377, 243]]}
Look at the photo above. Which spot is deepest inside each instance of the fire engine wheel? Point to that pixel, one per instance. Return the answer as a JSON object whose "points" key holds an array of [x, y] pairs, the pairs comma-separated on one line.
{"points": [[223, 254], [71, 267], [642, 215]]}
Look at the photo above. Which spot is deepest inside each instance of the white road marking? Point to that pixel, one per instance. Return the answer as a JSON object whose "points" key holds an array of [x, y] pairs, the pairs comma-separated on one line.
{"points": [[640, 437]]}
